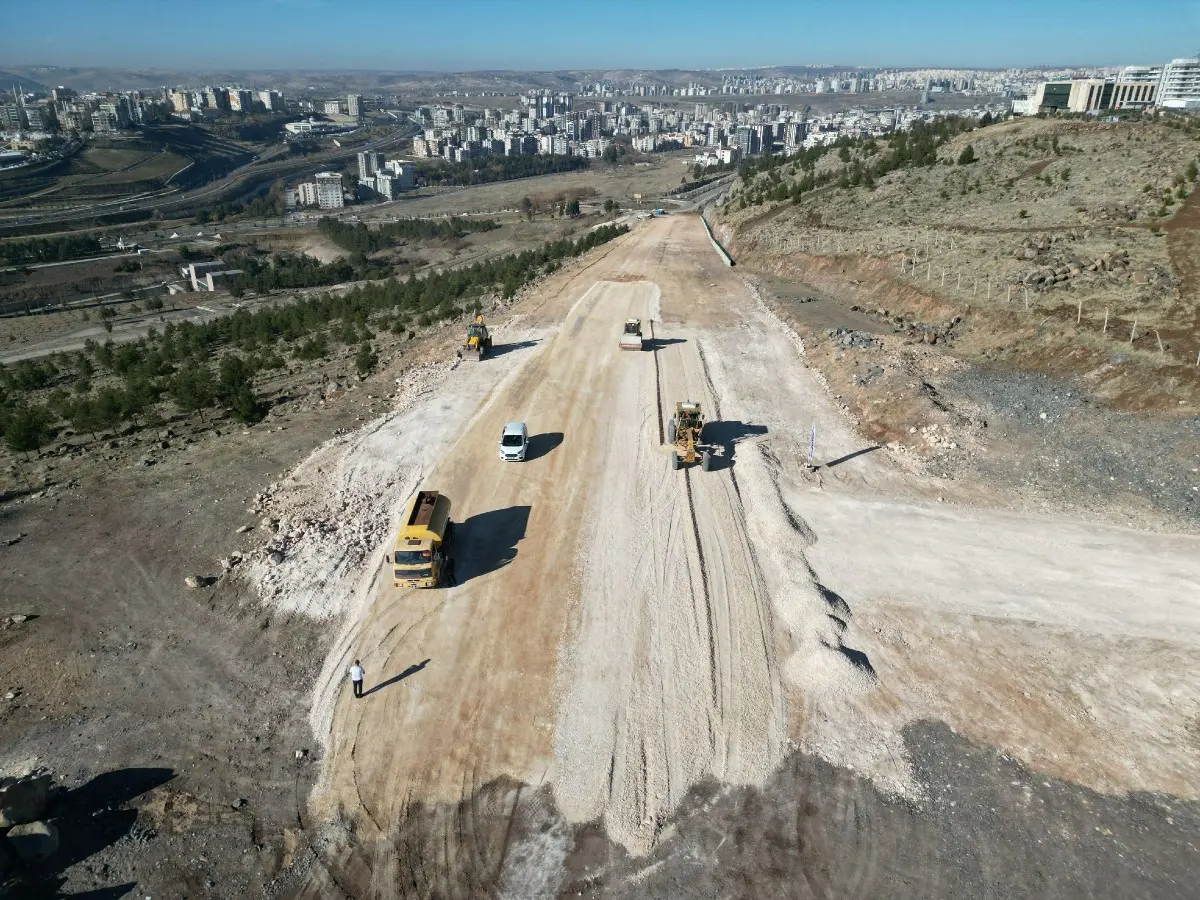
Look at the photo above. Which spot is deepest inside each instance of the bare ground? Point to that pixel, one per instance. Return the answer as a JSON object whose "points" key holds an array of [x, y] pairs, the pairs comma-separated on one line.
{"points": [[858, 680]]}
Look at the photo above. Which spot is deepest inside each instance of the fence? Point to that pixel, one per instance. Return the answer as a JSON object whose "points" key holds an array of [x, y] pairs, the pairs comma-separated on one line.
{"points": [[918, 263]]}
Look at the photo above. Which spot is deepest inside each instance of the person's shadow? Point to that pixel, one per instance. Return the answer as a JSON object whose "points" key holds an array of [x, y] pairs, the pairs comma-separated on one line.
{"points": [[411, 670]]}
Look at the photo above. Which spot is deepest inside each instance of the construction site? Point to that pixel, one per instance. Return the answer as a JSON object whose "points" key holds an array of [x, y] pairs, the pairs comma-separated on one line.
{"points": [[746, 618]]}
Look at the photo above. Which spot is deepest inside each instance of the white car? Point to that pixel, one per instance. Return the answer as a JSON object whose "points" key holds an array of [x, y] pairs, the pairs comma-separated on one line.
{"points": [[514, 441]]}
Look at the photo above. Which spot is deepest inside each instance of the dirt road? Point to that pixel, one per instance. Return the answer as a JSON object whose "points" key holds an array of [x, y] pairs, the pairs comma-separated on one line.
{"points": [[660, 683]]}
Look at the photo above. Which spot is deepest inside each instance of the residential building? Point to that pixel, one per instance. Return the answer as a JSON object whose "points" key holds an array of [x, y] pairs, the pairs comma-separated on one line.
{"points": [[306, 194], [405, 173], [386, 185], [272, 100], [198, 273], [40, 118], [333, 107], [329, 190], [216, 98], [369, 162], [1179, 87], [11, 118], [354, 105], [181, 101], [241, 100]]}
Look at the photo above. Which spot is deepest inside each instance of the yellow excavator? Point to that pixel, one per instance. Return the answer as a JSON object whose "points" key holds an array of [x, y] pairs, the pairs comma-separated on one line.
{"points": [[479, 342]]}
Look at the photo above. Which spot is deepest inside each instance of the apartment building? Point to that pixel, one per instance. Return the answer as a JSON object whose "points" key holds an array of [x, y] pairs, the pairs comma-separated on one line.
{"points": [[1179, 86], [329, 190], [354, 105], [241, 100], [369, 162]]}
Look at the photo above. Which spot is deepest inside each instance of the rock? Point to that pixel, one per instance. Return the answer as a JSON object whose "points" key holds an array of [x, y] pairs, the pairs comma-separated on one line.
{"points": [[164, 445], [274, 557], [14, 539], [23, 799], [34, 842], [244, 529], [198, 581], [10, 696], [239, 802], [166, 434], [148, 461], [301, 754], [268, 524]]}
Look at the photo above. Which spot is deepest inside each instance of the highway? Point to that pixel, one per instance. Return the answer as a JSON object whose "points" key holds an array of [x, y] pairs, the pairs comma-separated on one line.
{"points": [[212, 191]]}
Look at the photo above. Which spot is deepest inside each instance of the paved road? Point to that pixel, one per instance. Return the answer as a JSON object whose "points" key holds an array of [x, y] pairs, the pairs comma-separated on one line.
{"points": [[213, 190]]}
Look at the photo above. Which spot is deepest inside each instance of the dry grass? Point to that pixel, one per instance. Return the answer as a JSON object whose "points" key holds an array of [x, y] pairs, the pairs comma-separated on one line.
{"points": [[956, 235]]}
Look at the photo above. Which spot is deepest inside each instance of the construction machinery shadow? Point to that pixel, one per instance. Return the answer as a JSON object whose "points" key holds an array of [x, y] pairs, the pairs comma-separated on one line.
{"points": [[656, 344], [488, 541], [501, 349], [542, 445], [725, 436]]}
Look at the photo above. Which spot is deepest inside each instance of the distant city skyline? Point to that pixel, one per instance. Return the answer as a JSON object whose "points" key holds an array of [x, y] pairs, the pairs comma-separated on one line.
{"points": [[550, 35]]}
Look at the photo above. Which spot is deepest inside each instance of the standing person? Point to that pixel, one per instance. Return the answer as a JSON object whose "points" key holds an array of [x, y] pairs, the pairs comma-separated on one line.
{"points": [[357, 673]]}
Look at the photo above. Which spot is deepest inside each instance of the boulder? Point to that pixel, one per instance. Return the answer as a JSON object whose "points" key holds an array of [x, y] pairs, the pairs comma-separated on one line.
{"points": [[198, 581], [23, 799], [34, 842]]}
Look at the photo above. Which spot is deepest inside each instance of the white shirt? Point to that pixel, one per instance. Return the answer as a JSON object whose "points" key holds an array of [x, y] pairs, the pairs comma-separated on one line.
{"points": [[357, 673]]}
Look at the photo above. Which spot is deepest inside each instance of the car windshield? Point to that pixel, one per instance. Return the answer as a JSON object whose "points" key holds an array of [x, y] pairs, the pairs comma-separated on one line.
{"points": [[411, 557], [511, 440]]}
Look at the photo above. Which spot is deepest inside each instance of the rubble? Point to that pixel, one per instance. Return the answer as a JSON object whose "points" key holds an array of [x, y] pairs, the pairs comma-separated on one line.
{"points": [[846, 337]]}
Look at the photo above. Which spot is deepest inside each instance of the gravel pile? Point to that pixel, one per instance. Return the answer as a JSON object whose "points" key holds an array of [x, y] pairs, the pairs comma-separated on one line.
{"points": [[1080, 452], [337, 508]]}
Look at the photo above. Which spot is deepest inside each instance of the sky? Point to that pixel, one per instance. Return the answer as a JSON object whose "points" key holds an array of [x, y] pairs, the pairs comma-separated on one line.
{"points": [[467, 35]]}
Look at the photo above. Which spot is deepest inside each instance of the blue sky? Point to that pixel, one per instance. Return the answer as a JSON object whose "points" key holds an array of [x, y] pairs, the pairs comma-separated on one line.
{"points": [[558, 34]]}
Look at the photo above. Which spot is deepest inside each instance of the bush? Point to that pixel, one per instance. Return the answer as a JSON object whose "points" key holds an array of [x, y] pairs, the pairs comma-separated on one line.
{"points": [[1024, 214], [366, 360]]}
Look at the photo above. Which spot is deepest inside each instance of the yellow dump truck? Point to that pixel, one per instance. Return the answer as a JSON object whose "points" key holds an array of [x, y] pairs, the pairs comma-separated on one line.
{"points": [[421, 557]]}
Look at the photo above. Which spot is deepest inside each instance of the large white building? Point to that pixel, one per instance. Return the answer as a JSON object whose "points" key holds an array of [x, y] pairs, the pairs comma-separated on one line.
{"points": [[329, 190], [1179, 86]]}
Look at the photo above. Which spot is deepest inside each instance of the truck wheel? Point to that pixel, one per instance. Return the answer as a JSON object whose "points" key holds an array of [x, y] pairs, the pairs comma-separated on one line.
{"points": [[706, 461], [674, 460], [671, 432]]}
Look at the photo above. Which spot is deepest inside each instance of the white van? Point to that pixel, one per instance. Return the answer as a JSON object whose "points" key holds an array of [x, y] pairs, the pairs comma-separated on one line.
{"points": [[514, 441]]}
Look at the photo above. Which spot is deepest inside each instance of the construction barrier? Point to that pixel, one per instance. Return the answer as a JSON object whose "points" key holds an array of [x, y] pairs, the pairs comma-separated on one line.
{"points": [[712, 239]]}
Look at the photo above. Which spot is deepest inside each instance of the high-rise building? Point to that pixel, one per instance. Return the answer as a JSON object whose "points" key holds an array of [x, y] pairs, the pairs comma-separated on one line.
{"points": [[369, 162], [333, 107], [272, 100], [10, 117], [181, 101], [241, 100], [329, 190], [354, 105], [1179, 86]]}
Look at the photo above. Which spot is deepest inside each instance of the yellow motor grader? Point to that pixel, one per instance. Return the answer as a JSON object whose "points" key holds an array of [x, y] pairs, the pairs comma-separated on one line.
{"points": [[685, 431]]}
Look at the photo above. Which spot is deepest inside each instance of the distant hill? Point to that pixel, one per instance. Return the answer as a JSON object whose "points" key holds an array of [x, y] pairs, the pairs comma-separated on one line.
{"points": [[22, 82]]}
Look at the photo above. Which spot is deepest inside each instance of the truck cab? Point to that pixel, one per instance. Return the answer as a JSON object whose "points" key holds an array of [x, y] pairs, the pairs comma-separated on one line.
{"points": [[421, 555]]}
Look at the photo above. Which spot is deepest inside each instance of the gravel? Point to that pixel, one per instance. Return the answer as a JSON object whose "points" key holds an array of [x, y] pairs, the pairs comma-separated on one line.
{"points": [[1071, 449]]}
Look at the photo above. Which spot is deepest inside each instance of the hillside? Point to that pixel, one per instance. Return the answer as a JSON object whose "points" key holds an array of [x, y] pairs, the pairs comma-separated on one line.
{"points": [[1059, 263]]}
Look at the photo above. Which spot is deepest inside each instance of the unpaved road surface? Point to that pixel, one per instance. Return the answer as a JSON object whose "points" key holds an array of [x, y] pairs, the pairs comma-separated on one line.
{"points": [[761, 680]]}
